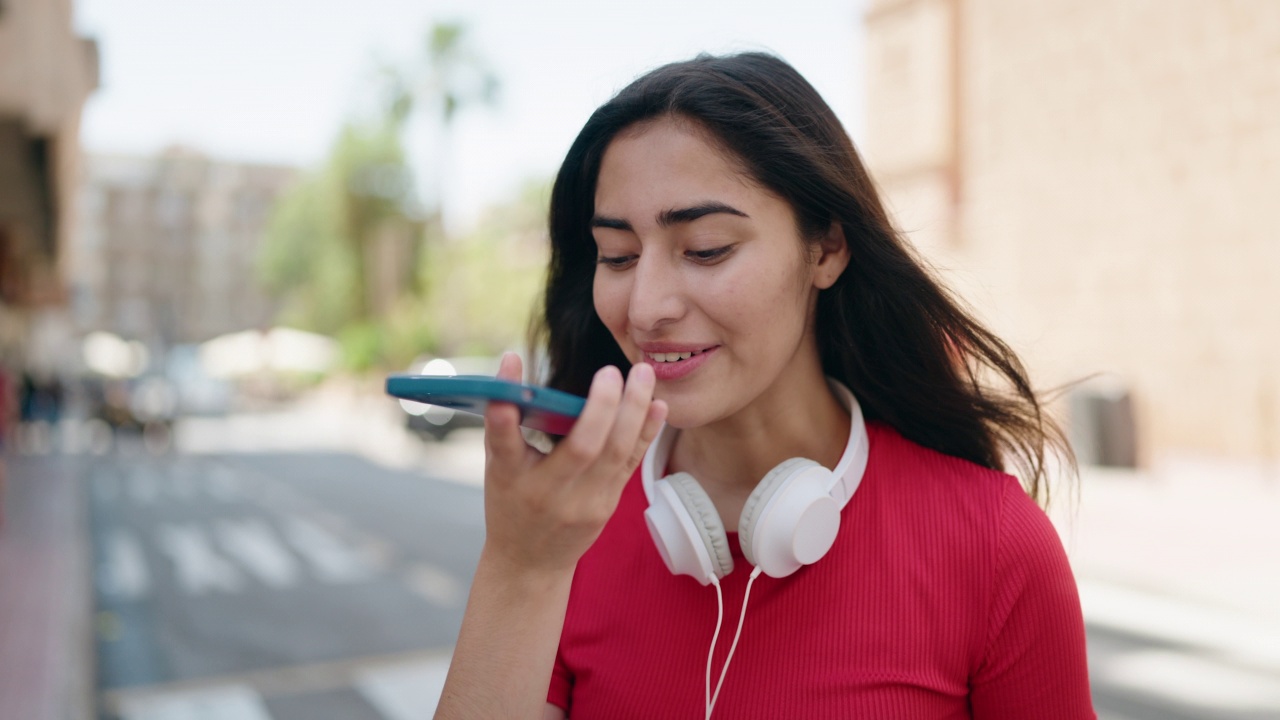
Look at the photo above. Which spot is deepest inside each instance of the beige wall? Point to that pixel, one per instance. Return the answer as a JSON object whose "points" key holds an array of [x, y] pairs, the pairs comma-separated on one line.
{"points": [[46, 72], [1104, 192]]}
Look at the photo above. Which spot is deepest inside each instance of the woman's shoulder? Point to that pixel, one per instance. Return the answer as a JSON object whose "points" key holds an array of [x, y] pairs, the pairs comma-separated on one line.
{"points": [[916, 468]]}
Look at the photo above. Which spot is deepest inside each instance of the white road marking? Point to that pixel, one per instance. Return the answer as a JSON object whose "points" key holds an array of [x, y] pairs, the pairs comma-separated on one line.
{"points": [[1193, 680], [405, 692], [255, 545], [230, 702], [199, 567], [331, 558], [435, 585], [123, 573]]}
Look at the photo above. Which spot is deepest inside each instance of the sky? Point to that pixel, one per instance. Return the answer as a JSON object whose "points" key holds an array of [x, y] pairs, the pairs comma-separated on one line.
{"points": [[273, 80]]}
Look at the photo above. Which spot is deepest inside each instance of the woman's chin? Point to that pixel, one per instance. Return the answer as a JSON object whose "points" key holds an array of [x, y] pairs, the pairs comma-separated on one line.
{"points": [[684, 418]]}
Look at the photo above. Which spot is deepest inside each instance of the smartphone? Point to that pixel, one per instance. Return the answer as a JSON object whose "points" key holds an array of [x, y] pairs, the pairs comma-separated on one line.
{"points": [[541, 408]]}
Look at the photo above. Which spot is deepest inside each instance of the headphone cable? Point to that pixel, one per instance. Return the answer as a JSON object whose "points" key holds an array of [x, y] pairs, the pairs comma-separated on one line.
{"points": [[711, 701]]}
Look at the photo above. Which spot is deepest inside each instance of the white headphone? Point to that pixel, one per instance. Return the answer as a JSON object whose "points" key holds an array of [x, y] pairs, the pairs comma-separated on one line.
{"points": [[790, 519]]}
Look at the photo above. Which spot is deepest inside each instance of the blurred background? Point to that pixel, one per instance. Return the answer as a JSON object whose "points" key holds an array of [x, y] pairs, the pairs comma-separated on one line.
{"points": [[222, 225]]}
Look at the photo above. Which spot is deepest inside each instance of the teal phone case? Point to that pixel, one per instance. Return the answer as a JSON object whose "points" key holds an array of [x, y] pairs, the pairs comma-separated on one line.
{"points": [[541, 408]]}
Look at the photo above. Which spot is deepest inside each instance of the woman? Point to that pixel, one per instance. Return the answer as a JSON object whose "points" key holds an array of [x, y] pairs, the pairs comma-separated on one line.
{"points": [[715, 236]]}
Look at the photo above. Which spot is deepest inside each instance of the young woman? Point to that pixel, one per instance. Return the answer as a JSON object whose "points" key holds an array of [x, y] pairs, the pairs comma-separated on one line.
{"points": [[831, 429]]}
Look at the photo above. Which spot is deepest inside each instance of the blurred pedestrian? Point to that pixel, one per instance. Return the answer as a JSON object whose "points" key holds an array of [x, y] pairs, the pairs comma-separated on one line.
{"points": [[811, 435], [8, 406], [8, 416]]}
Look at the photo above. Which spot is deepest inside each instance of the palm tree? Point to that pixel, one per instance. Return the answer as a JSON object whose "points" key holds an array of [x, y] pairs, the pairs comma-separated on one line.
{"points": [[450, 77]]}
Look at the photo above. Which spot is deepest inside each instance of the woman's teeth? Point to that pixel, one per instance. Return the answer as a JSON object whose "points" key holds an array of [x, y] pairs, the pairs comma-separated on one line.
{"points": [[671, 357]]}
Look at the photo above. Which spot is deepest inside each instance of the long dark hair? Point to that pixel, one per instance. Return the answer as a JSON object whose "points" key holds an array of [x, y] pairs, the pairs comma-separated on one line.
{"points": [[912, 355]]}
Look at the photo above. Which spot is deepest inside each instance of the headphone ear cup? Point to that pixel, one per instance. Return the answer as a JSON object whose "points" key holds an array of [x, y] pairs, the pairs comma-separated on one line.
{"points": [[705, 519], [759, 499]]}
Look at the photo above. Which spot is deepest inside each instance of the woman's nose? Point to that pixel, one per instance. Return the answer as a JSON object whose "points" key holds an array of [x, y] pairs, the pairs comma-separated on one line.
{"points": [[657, 297]]}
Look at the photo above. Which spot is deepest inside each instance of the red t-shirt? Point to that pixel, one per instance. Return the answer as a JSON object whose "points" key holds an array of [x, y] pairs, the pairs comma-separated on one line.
{"points": [[947, 594]]}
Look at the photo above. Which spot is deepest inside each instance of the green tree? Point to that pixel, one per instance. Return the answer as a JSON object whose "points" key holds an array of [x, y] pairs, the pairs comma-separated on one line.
{"points": [[484, 285], [450, 76], [347, 248], [325, 234]]}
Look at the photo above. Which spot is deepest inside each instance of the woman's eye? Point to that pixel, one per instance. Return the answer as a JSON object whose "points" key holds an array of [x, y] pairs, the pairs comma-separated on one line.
{"points": [[708, 255], [615, 263]]}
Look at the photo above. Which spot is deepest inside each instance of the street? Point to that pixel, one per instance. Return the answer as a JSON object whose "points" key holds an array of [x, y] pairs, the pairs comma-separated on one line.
{"points": [[280, 585], [252, 581]]}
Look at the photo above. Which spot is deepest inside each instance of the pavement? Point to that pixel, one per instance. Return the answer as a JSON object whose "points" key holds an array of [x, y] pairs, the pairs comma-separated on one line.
{"points": [[1187, 551], [1186, 554], [46, 641]]}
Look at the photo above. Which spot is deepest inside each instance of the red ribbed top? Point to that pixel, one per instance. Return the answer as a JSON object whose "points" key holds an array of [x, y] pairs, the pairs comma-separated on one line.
{"points": [[946, 595]]}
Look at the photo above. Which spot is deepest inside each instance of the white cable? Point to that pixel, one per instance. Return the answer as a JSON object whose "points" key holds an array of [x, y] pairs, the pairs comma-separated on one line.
{"points": [[742, 616], [719, 619]]}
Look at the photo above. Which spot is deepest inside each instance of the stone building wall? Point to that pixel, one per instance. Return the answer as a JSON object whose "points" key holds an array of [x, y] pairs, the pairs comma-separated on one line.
{"points": [[1099, 179]]}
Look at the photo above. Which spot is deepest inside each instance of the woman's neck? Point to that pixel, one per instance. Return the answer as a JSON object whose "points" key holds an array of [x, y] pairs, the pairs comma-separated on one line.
{"points": [[797, 417]]}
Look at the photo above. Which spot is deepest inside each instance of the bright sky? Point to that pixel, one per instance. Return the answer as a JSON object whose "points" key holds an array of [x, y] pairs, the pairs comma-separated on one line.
{"points": [[272, 80]]}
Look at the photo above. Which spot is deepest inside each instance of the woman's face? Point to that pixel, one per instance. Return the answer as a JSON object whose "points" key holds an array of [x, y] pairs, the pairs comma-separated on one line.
{"points": [[701, 273]]}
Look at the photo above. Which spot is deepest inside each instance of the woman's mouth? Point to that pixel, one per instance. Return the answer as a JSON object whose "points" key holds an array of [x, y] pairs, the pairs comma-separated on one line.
{"points": [[676, 365], [671, 357]]}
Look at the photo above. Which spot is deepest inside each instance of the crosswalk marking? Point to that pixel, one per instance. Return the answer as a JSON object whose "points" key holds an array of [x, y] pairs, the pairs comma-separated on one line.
{"points": [[329, 557], [405, 692], [123, 572], [232, 702], [215, 558], [436, 585], [254, 544], [199, 567]]}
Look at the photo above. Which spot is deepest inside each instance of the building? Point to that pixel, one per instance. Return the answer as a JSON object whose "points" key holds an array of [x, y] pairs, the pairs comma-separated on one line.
{"points": [[46, 73], [1098, 179], [168, 246]]}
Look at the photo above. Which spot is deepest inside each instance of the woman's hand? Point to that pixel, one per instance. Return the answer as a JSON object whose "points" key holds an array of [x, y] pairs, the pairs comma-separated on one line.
{"points": [[542, 512]]}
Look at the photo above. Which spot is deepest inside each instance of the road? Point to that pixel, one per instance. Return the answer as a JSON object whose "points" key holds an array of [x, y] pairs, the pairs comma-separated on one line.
{"points": [[282, 586], [318, 586]]}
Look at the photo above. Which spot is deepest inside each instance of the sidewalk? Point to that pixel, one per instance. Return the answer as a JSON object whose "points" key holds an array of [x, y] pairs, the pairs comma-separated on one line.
{"points": [[1204, 532], [1188, 555], [46, 642]]}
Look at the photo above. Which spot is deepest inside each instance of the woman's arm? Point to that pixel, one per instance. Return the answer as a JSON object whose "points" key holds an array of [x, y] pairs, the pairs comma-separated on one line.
{"points": [[502, 663], [1034, 665], [542, 512]]}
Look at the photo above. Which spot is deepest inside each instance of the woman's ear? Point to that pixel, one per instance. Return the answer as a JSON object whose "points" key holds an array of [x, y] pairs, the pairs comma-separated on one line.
{"points": [[832, 257]]}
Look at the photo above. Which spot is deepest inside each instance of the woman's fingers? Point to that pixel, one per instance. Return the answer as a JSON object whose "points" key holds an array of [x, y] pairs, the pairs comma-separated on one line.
{"points": [[583, 444], [653, 419], [631, 415], [503, 441]]}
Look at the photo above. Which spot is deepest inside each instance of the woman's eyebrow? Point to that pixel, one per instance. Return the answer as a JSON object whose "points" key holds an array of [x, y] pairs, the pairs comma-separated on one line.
{"points": [[667, 218]]}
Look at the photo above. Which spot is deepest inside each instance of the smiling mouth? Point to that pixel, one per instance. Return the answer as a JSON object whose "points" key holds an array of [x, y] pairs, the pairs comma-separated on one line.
{"points": [[673, 357]]}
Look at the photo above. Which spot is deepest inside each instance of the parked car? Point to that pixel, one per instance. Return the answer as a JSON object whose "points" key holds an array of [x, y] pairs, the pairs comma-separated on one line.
{"points": [[435, 422]]}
